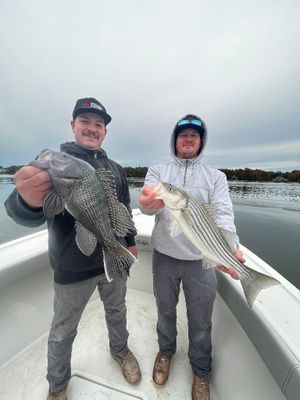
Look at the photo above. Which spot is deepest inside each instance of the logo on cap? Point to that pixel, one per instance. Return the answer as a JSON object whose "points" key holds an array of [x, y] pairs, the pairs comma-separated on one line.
{"points": [[88, 104]]}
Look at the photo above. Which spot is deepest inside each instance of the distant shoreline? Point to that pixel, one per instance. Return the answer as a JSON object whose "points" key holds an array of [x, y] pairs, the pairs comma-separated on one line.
{"points": [[140, 179], [237, 174]]}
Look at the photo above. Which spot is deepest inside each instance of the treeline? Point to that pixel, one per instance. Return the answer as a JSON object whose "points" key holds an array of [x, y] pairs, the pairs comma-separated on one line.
{"points": [[258, 175], [10, 170], [138, 172], [246, 174]]}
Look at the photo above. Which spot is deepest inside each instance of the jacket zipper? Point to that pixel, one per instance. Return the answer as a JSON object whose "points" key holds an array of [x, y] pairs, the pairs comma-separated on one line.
{"points": [[186, 165], [95, 156]]}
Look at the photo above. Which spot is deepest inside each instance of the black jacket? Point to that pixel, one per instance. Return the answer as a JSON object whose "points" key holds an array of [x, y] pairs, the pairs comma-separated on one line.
{"points": [[68, 262]]}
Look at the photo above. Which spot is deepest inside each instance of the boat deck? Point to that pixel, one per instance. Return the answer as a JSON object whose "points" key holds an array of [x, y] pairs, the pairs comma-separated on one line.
{"points": [[256, 352], [238, 371]]}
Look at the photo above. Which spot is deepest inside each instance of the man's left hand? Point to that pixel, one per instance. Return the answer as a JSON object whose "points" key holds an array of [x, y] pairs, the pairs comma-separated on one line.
{"points": [[232, 272]]}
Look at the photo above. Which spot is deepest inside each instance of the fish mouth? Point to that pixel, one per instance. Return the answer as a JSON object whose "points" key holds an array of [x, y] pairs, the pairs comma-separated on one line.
{"points": [[90, 134], [159, 189]]}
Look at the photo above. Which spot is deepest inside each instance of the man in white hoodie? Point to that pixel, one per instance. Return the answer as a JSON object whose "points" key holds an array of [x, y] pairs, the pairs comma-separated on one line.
{"points": [[176, 259]]}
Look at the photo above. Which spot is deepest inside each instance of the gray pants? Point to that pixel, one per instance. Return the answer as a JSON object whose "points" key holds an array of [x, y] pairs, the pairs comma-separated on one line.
{"points": [[69, 303], [199, 286]]}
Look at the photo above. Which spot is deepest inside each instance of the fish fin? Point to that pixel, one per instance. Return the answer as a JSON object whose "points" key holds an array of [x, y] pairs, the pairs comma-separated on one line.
{"points": [[207, 263], [253, 282], [53, 204], [230, 238], [175, 228], [116, 260], [85, 240], [108, 273], [121, 220], [120, 217], [107, 176]]}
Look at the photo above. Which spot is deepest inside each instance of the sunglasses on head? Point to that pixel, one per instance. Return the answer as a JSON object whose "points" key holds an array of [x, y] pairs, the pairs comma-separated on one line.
{"points": [[190, 121]]}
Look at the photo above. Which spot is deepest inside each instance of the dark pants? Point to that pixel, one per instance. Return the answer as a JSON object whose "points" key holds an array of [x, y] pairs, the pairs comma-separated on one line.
{"points": [[199, 286], [69, 303]]}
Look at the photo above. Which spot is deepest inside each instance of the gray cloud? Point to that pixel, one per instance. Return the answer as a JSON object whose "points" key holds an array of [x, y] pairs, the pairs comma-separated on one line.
{"points": [[235, 64]]}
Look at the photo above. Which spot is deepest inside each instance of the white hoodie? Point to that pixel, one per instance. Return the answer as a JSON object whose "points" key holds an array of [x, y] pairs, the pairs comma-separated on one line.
{"points": [[207, 184]]}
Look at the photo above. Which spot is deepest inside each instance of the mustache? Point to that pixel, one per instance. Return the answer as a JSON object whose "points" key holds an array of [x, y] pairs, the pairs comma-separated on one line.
{"points": [[89, 133]]}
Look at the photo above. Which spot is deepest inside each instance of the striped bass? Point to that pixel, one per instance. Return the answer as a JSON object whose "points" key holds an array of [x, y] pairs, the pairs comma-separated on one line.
{"points": [[90, 196], [196, 221]]}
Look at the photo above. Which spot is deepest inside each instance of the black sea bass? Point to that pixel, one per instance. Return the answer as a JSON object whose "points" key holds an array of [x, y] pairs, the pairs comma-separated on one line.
{"points": [[89, 195]]}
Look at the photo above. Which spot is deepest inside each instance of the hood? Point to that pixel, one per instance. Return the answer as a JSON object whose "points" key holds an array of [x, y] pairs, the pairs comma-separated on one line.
{"points": [[172, 144], [76, 150]]}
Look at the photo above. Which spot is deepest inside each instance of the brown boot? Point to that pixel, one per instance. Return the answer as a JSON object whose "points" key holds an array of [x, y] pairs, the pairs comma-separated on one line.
{"points": [[161, 369], [130, 367], [200, 388], [62, 395]]}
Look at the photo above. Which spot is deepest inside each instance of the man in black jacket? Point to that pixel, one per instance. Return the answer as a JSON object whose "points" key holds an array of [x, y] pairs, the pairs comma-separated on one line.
{"points": [[76, 275]]}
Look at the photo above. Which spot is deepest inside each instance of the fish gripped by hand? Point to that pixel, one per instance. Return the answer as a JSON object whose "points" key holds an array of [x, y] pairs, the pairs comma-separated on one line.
{"points": [[196, 221], [89, 195]]}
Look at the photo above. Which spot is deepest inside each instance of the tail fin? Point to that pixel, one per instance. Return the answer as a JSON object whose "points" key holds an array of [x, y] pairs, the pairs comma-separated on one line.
{"points": [[116, 260], [253, 282]]}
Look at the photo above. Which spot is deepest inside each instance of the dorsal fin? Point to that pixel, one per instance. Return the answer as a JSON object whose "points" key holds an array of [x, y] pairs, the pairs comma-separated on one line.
{"points": [[107, 178]]}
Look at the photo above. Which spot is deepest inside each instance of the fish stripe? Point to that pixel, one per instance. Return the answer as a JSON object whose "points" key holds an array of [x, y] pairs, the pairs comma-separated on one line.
{"points": [[208, 234], [221, 247]]}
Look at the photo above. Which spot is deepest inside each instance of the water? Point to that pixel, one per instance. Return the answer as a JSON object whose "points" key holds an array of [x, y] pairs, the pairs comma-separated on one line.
{"points": [[9, 230], [267, 217], [266, 194]]}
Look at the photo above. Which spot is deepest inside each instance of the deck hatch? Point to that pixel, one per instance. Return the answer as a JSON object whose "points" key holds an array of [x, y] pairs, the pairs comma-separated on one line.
{"points": [[83, 387]]}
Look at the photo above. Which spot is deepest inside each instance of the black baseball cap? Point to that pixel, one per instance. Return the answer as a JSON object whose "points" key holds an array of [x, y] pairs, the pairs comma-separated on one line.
{"points": [[89, 104]]}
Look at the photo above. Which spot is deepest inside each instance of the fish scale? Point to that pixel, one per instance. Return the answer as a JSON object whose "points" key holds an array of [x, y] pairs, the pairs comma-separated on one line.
{"points": [[97, 209]]}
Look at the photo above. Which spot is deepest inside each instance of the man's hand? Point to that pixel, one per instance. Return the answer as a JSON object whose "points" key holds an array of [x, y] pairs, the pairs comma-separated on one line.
{"points": [[33, 185], [148, 200], [240, 256], [133, 250], [232, 272]]}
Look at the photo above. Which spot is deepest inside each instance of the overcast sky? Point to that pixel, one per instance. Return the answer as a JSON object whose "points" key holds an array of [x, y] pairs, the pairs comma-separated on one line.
{"points": [[235, 63]]}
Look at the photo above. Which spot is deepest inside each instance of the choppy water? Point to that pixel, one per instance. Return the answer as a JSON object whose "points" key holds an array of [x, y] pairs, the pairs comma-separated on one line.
{"points": [[268, 194], [267, 217]]}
